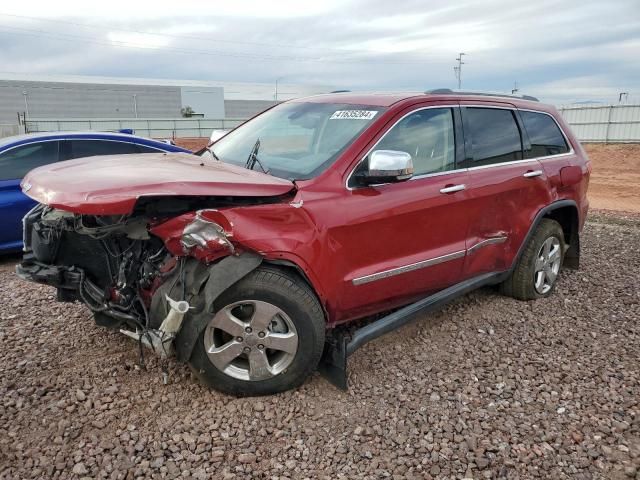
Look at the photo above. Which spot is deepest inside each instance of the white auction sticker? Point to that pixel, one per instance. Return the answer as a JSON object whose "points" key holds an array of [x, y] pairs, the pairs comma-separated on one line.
{"points": [[353, 115]]}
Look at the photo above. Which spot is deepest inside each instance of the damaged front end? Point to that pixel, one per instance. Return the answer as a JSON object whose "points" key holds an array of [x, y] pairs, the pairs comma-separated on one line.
{"points": [[154, 279]]}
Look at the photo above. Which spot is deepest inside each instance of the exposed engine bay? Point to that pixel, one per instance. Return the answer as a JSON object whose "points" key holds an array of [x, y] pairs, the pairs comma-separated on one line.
{"points": [[137, 273]]}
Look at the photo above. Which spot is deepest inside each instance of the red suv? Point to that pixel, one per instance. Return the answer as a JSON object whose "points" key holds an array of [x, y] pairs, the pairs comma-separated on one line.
{"points": [[243, 261]]}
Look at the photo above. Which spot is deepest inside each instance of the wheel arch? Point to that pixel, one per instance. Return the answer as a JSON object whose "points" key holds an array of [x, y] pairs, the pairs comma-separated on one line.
{"points": [[565, 212], [567, 216], [223, 276], [293, 267]]}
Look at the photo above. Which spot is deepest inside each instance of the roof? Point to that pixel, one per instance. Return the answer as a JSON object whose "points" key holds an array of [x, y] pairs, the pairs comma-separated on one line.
{"points": [[30, 137], [386, 99], [374, 99]]}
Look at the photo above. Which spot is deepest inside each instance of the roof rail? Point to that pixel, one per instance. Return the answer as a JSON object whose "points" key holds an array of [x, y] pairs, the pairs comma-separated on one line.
{"points": [[448, 91]]}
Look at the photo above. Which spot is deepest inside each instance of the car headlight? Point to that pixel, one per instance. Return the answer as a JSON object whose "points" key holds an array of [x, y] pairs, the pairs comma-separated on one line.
{"points": [[206, 235]]}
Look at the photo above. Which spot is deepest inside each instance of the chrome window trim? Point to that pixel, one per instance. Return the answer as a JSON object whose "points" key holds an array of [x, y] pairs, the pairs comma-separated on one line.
{"points": [[458, 170], [85, 139], [407, 268], [438, 174], [346, 184], [31, 143], [564, 135], [49, 140], [111, 140], [514, 162], [566, 139]]}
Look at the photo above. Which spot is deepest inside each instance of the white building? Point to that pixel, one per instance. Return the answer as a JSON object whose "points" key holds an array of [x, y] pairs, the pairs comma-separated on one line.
{"points": [[59, 97]]}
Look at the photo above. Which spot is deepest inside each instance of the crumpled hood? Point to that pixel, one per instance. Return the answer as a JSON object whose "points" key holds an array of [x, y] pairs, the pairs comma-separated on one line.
{"points": [[111, 185]]}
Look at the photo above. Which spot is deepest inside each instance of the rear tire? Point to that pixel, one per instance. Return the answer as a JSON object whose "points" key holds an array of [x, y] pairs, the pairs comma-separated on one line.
{"points": [[248, 346], [536, 273]]}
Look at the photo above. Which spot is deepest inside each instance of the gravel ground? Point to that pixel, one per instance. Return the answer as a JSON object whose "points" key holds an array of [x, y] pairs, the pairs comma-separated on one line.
{"points": [[488, 388]]}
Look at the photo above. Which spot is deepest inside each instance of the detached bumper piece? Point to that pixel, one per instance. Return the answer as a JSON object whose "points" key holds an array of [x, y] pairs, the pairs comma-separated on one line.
{"points": [[68, 278], [333, 365]]}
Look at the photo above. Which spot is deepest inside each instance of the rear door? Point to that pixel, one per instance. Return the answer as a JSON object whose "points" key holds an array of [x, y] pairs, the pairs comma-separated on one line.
{"points": [[548, 145], [506, 188], [14, 164]]}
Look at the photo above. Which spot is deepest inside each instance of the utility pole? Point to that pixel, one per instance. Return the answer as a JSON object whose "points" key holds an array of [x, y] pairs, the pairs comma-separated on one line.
{"points": [[26, 103], [622, 95], [458, 69], [515, 89], [275, 96]]}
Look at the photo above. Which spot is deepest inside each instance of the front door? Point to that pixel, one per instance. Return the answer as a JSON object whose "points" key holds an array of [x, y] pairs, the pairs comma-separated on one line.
{"points": [[400, 241]]}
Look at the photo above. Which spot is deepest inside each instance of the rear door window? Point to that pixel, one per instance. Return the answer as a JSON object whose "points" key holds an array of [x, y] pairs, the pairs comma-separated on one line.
{"points": [[91, 148], [15, 163], [494, 136], [544, 134]]}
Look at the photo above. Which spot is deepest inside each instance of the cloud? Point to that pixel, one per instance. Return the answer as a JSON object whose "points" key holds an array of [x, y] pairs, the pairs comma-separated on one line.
{"points": [[126, 9], [562, 51], [139, 40]]}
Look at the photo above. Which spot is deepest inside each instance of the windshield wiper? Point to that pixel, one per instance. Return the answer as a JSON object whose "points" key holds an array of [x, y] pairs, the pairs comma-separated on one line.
{"points": [[253, 158], [213, 154]]}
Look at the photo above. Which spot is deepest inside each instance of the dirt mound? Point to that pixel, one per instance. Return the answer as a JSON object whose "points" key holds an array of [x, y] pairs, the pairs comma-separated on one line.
{"points": [[193, 144], [615, 180]]}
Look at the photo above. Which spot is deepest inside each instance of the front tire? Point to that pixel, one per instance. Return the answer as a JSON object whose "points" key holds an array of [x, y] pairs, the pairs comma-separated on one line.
{"points": [[537, 270], [265, 336]]}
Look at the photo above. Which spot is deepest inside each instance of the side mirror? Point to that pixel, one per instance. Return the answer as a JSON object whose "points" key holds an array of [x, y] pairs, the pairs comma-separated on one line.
{"points": [[388, 166]]}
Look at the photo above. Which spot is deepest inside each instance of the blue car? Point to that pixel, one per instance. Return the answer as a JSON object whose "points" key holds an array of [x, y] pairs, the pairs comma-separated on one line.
{"points": [[22, 153]]}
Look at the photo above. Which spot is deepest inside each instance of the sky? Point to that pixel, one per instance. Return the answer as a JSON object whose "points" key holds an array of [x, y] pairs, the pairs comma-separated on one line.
{"points": [[561, 51]]}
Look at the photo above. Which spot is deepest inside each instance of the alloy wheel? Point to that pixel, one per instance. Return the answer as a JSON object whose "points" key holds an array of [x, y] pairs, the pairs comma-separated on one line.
{"points": [[547, 265], [251, 340]]}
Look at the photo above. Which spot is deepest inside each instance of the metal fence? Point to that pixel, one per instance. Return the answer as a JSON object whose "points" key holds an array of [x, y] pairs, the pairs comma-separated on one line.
{"points": [[9, 129], [145, 127], [606, 124]]}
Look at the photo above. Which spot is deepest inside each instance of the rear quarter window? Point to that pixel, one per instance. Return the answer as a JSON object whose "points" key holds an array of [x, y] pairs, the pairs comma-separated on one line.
{"points": [[544, 134]]}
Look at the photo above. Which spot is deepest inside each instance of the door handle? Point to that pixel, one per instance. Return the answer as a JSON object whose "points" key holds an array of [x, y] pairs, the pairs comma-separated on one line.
{"points": [[533, 174], [453, 188]]}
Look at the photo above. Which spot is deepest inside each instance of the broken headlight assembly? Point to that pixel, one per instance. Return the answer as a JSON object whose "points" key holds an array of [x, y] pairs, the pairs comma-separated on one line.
{"points": [[208, 237]]}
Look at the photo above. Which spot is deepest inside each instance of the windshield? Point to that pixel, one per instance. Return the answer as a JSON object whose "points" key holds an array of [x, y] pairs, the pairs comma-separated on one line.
{"points": [[295, 140]]}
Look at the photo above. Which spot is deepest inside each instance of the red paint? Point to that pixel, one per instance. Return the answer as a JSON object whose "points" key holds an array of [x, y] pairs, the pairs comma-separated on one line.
{"points": [[172, 230], [570, 175], [112, 185], [335, 234]]}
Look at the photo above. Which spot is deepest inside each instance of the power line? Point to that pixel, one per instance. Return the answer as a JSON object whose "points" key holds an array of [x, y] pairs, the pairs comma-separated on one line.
{"points": [[263, 57], [118, 43], [188, 37]]}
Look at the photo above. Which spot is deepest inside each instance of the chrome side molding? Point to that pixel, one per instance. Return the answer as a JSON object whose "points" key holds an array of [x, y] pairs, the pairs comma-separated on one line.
{"points": [[484, 243], [427, 263], [408, 268]]}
